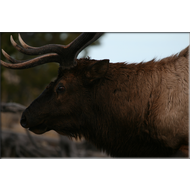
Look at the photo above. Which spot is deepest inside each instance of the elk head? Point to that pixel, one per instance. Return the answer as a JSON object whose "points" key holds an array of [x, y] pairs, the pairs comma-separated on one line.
{"points": [[64, 105]]}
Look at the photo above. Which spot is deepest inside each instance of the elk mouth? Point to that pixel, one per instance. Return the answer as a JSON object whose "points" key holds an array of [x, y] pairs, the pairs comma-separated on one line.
{"points": [[39, 129]]}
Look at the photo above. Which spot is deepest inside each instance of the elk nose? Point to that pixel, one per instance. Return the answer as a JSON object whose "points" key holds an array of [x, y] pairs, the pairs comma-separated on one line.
{"points": [[23, 121]]}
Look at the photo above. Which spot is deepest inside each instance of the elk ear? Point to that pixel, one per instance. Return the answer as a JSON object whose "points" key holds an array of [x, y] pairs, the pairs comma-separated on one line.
{"points": [[97, 70]]}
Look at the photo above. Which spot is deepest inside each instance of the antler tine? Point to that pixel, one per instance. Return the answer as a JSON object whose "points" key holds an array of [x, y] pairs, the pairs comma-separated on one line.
{"points": [[9, 57], [23, 43], [29, 50], [52, 57], [83, 41]]}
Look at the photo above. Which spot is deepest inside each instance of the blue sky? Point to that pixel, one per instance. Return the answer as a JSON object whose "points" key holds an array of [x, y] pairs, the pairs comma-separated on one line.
{"points": [[137, 47]]}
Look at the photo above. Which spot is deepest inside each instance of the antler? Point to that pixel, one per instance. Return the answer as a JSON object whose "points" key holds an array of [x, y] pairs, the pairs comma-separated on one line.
{"points": [[65, 55]]}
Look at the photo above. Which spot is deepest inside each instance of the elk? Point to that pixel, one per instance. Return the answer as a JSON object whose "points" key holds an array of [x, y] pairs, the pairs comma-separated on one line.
{"points": [[126, 110]]}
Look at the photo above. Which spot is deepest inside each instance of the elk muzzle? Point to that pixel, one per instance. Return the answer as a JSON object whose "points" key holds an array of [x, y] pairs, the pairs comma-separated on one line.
{"points": [[33, 123]]}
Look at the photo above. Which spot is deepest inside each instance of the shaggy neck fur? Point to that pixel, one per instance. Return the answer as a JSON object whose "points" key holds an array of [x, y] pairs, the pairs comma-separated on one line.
{"points": [[133, 101]]}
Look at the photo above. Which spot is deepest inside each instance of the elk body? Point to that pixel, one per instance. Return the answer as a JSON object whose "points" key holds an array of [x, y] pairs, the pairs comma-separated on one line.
{"points": [[127, 110]]}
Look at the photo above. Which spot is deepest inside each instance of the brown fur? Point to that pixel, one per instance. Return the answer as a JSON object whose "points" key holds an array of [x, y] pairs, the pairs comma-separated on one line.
{"points": [[127, 110]]}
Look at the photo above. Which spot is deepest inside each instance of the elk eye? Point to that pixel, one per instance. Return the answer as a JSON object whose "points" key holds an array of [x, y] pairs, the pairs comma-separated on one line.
{"points": [[60, 89]]}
